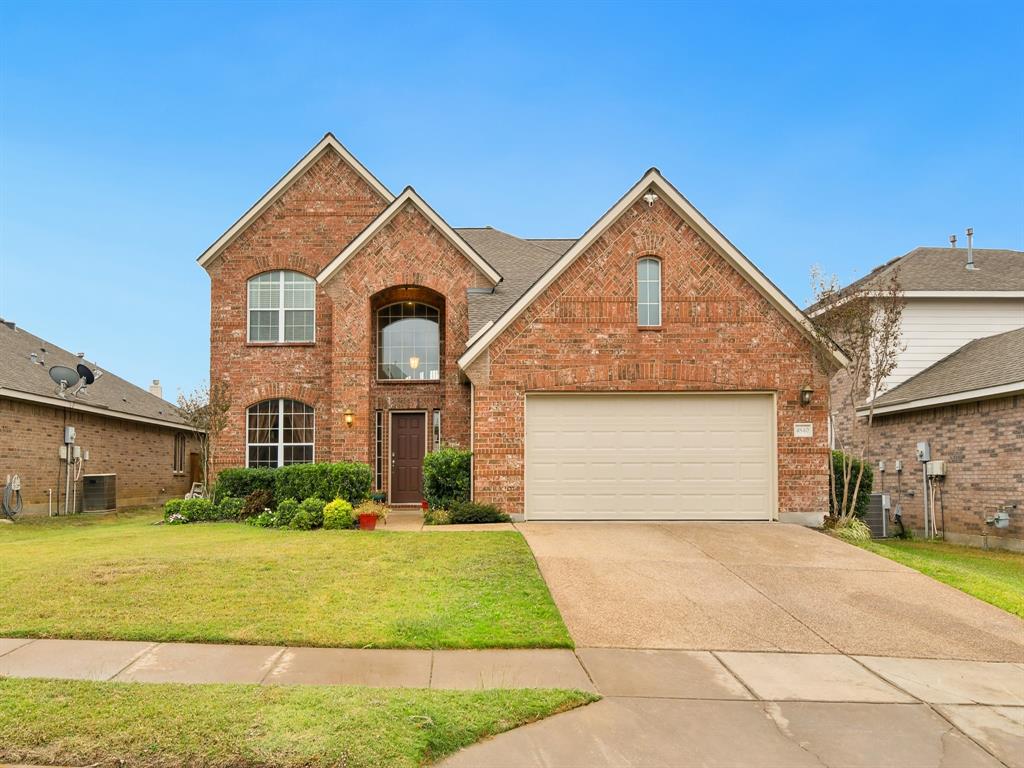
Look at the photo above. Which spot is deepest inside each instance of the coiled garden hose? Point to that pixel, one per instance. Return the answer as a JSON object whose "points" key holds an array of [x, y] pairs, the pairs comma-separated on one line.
{"points": [[11, 503]]}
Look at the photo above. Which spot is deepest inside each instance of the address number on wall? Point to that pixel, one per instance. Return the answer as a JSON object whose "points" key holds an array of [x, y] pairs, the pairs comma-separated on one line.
{"points": [[803, 429]]}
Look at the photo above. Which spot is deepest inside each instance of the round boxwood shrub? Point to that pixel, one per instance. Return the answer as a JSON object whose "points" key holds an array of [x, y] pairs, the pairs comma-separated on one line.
{"points": [[314, 507], [301, 521], [338, 514], [286, 510], [230, 508]]}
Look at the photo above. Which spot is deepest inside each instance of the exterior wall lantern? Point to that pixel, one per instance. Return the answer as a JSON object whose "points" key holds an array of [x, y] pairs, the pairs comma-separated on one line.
{"points": [[348, 417], [805, 395]]}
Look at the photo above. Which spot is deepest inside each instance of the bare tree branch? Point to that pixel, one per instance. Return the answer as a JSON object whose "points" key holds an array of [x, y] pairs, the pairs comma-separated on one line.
{"points": [[867, 326], [206, 410]]}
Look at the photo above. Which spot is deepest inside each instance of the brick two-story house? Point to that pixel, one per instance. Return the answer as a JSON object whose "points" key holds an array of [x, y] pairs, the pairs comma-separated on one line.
{"points": [[644, 370]]}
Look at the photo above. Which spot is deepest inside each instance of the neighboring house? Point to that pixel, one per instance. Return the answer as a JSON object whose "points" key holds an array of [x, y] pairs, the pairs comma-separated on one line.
{"points": [[645, 370], [958, 385], [120, 430]]}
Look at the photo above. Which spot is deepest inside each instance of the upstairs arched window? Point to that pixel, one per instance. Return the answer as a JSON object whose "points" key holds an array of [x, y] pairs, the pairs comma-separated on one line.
{"points": [[648, 292], [408, 342], [282, 307], [278, 433]]}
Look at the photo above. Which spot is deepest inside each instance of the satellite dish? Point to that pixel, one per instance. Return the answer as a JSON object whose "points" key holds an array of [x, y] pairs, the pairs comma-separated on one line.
{"points": [[61, 374], [85, 373]]}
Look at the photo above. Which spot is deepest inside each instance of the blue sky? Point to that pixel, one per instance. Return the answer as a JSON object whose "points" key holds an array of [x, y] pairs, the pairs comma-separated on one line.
{"points": [[132, 136]]}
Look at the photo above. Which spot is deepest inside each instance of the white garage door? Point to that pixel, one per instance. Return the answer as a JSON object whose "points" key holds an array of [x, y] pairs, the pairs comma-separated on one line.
{"points": [[650, 457]]}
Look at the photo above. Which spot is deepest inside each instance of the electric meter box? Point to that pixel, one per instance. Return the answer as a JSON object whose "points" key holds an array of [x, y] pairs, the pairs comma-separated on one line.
{"points": [[924, 452]]}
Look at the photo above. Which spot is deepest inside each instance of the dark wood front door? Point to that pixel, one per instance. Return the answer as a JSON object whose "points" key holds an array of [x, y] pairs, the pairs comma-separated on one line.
{"points": [[408, 444]]}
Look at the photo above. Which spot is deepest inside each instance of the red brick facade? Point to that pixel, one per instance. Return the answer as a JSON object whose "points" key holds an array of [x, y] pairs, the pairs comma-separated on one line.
{"points": [[718, 334], [982, 443], [303, 230], [141, 455]]}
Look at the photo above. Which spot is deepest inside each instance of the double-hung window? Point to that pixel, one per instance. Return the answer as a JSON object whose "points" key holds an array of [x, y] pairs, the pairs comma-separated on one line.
{"points": [[648, 288], [282, 307]]}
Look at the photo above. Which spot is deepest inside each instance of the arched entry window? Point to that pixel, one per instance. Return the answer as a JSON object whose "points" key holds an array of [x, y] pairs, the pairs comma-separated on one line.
{"points": [[408, 342], [278, 433]]}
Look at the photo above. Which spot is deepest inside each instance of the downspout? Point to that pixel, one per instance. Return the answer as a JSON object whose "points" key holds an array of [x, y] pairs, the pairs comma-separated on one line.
{"points": [[472, 439]]}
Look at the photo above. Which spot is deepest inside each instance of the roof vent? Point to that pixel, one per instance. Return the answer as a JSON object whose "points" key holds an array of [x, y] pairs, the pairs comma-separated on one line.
{"points": [[952, 241], [10, 324], [970, 249]]}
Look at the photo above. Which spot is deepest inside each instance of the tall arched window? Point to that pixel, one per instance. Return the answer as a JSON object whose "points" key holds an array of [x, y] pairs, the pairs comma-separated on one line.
{"points": [[282, 307], [278, 433], [648, 292], [408, 342]]}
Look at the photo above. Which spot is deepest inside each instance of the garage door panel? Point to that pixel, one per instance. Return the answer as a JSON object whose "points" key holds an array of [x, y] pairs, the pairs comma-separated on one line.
{"points": [[636, 456]]}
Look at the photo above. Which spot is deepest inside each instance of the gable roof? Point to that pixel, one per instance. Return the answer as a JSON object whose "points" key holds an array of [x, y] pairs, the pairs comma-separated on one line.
{"points": [[943, 270], [410, 197], [520, 262], [984, 367], [327, 143], [22, 379], [651, 181]]}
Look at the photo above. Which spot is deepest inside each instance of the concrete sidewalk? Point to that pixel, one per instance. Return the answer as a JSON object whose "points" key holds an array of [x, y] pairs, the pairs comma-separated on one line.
{"points": [[661, 707]]}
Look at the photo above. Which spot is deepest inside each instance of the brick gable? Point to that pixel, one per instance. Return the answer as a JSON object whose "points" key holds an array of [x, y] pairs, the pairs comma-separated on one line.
{"points": [[718, 333], [306, 227]]}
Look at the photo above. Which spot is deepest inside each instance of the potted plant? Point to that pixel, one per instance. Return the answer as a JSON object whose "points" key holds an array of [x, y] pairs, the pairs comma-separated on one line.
{"points": [[369, 512]]}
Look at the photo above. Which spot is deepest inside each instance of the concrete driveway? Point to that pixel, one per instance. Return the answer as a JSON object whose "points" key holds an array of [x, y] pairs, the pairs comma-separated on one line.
{"points": [[756, 587]]}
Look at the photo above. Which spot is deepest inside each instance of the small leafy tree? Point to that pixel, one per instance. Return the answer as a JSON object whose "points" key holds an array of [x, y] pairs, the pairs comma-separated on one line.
{"points": [[866, 325], [205, 410]]}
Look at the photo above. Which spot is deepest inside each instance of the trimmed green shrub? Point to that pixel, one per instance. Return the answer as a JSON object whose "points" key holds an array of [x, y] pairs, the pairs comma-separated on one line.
{"points": [[286, 510], [302, 521], [860, 507], [446, 476], [230, 508], [189, 511], [465, 512], [314, 507], [338, 514], [347, 480], [242, 481]]}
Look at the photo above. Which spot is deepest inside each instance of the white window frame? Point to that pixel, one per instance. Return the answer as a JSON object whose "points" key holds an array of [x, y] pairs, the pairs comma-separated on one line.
{"points": [[379, 332], [180, 446], [280, 444], [281, 309], [639, 304]]}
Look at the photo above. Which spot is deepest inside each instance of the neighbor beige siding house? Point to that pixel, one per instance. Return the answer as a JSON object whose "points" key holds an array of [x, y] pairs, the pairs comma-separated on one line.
{"points": [[959, 386]]}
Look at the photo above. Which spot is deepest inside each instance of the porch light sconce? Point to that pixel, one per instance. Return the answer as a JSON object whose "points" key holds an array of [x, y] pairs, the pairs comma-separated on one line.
{"points": [[805, 395], [348, 417]]}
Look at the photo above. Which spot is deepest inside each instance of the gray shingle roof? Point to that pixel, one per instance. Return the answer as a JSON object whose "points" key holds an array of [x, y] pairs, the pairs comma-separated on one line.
{"points": [[110, 392], [989, 362], [944, 269], [520, 262]]}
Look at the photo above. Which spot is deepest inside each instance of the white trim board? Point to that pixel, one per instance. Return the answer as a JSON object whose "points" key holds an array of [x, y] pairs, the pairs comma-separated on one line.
{"points": [[408, 196], [328, 142], [652, 181], [935, 402], [57, 402]]}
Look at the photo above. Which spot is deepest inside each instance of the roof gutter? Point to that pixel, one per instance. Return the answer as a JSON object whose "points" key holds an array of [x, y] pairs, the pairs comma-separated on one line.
{"points": [[57, 402]]}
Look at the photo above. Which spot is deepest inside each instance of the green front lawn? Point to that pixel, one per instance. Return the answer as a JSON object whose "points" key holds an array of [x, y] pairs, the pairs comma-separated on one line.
{"points": [[155, 725], [995, 576], [121, 577]]}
